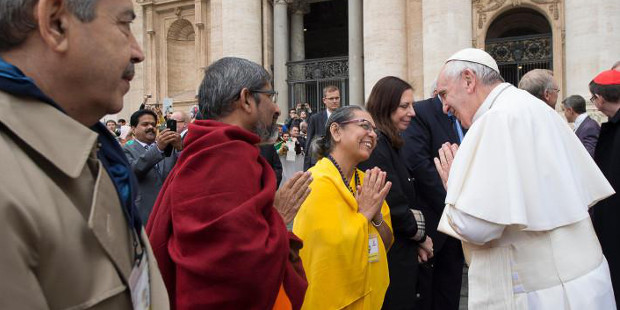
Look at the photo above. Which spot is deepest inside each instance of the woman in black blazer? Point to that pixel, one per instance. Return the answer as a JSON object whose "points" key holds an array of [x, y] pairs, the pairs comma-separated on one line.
{"points": [[391, 106]]}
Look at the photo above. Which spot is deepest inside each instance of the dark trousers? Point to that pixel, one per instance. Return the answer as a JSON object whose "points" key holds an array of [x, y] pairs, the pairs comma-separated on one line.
{"points": [[440, 279]]}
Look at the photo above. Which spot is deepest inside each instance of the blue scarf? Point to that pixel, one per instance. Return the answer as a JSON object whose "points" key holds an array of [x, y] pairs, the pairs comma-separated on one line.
{"points": [[13, 81]]}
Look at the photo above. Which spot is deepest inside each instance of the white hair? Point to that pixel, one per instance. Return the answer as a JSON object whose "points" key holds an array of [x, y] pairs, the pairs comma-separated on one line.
{"points": [[486, 75]]}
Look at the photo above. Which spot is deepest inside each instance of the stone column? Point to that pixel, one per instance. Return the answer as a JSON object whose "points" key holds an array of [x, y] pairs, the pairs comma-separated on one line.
{"points": [[385, 43], [356, 53], [298, 47], [280, 54], [241, 29], [447, 28], [592, 42]]}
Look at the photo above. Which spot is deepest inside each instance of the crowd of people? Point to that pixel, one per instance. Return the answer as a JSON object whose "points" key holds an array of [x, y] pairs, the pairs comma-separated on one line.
{"points": [[372, 208]]}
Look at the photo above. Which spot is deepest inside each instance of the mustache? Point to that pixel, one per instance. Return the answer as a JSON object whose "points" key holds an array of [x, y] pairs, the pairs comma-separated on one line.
{"points": [[129, 72]]}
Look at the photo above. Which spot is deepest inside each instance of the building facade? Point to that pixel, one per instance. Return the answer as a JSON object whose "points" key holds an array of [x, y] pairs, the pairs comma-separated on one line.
{"points": [[307, 44]]}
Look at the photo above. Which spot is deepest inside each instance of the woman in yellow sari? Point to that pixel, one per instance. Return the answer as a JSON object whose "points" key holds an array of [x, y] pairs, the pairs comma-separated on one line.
{"points": [[345, 222]]}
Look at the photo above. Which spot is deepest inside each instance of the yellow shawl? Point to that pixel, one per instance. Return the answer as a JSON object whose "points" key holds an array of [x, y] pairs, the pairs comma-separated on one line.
{"points": [[335, 251]]}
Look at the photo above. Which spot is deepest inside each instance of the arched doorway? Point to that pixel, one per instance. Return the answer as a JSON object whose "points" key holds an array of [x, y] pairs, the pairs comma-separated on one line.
{"points": [[520, 40]]}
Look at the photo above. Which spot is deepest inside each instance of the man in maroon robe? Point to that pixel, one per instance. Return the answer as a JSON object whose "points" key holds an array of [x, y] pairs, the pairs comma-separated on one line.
{"points": [[218, 240]]}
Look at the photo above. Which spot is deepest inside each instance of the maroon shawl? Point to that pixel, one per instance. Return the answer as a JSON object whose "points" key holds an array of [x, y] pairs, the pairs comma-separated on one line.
{"points": [[218, 240]]}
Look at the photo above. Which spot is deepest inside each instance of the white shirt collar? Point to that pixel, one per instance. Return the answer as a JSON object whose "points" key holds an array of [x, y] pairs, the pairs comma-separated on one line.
{"points": [[142, 143], [328, 113], [580, 120], [488, 102]]}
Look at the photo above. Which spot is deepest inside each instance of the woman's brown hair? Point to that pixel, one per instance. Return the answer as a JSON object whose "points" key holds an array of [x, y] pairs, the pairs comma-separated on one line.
{"points": [[384, 99]]}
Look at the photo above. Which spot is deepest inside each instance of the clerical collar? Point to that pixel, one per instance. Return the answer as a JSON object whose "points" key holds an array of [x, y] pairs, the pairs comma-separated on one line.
{"points": [[487, 104]]}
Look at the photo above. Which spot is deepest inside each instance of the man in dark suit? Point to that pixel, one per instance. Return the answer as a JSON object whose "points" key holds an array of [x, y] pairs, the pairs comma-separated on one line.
{"points": [[148, 160], [440, 282], [316, 123], [586, 129], [268, 151]]}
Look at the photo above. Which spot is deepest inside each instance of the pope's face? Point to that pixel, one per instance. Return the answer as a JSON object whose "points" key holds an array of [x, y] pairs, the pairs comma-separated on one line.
{"points": [[456, 99]]}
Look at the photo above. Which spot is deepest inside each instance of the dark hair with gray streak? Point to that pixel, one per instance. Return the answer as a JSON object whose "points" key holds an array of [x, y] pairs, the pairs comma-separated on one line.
{"points": [[575, 102], [323, 145], [223, 82], [17, 20]]}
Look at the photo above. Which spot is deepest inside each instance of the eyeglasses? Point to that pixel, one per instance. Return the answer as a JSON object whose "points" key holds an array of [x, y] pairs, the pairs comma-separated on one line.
{"points": [[273, 95], [557, 90], [364, 123], [332, 98], [593, 98]]}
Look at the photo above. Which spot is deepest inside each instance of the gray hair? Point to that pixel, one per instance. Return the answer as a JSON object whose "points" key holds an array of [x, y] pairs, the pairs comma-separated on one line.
{"points": [[322, 146], [433, 88], [486, 75], [17, 20], [223, 82], [575, 102], [537, 82]]}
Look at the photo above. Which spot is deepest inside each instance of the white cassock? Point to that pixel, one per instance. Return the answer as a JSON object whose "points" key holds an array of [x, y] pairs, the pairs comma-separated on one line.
{"points": [[518, 197]]}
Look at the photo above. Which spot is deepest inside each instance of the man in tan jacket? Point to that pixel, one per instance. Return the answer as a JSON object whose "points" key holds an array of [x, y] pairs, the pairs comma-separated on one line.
{"points": [[70, 237]]}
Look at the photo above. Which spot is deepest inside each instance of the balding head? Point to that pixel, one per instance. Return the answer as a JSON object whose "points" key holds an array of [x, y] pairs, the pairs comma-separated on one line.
{"points": [[542, 84], [182, 120]]}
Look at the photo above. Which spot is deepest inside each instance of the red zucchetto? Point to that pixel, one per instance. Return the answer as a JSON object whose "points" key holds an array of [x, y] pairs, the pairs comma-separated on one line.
{"points": [[608, 77]]}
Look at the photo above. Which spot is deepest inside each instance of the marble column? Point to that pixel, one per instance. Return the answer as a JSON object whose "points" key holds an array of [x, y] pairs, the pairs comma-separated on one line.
{"points": [[241, 29], [298, 46], [592, 42], [446, 29], [356, 53], [385, 43], [280, 54]]}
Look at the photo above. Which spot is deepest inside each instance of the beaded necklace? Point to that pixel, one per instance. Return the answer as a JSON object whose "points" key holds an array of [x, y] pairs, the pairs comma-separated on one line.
{"points": [[344, 179]]}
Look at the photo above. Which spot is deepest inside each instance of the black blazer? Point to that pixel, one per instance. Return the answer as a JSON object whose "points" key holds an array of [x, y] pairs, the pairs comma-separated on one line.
{"points": [[403, 255], [429, 129], [316, 128], [606, 213], [268, 151]]}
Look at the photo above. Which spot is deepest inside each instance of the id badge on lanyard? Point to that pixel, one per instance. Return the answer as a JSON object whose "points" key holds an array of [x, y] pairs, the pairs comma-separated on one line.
{"points": [[373, 248], [139, 284]]}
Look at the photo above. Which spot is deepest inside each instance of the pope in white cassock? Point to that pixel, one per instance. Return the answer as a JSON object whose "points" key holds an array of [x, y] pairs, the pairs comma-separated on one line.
{"points": [[518, 194]]}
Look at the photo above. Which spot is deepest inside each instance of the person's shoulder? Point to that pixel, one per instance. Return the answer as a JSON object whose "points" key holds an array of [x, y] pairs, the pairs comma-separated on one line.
{"points": [[592, 123]]}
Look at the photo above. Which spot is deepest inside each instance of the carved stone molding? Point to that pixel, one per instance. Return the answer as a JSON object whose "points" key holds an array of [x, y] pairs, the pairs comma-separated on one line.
{"points": [[483, 8]]}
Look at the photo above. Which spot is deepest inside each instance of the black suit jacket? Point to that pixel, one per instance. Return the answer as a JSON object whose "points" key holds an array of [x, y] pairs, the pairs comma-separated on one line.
{"points": [[403, 255], [316, 128], [268, 151], [606, 213], [429, 129]]}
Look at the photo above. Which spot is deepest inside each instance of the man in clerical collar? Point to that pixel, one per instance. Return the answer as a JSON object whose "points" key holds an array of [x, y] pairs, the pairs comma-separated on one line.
{"points": [[511, 199], [586, 129], [605, 90]]}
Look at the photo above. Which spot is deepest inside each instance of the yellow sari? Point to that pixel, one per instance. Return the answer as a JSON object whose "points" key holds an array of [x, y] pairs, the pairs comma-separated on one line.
{"points": [[335, 254]]}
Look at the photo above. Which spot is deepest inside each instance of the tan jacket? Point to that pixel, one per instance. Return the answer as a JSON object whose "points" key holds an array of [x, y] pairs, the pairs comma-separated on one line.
{"points": [[64, 240]]}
